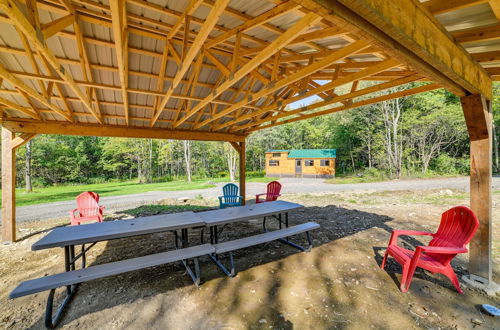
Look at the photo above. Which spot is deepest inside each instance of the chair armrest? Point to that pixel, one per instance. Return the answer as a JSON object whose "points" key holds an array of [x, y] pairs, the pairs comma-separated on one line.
{"points": [[72, 214], [442, 250], [396, 233], [261, 194], [220, 198]]}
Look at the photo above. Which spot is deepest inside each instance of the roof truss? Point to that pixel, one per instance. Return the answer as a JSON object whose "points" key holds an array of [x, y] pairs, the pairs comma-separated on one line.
{"points": [[203, 66]]}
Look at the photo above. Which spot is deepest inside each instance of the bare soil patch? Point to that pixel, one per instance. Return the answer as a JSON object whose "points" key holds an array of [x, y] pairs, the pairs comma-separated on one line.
{"points": [[337, 285]]}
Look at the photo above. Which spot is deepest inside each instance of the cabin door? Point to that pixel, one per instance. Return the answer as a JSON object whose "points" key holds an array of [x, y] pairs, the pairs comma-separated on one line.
{"points": [[298, 167]]}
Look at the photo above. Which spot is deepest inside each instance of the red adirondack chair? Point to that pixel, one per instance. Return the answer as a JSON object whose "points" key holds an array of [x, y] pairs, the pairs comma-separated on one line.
{"points": [[272, 194], [88, 208], [458, 226]]}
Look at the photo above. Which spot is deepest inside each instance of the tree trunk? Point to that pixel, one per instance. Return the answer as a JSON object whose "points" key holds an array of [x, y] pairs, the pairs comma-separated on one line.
{"points": [[393, 138], [150, 174], [187, 158], [139, 170], [495, 147], [29, 187]]}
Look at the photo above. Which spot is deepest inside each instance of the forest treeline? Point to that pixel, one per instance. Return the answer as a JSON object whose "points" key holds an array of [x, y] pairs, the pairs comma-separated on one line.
{"points": [[416, 135]]}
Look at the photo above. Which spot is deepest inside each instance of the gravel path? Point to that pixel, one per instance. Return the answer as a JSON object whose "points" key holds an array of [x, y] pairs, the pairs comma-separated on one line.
{"points": [[290, 186]]}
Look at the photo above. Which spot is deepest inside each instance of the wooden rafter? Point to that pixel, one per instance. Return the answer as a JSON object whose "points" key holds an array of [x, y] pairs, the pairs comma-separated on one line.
{"points": [[57, 26], [273, 13], [304, 23], [407, 39], [118, 13], [205, 30], [31, 92], [20, 21], [17, 107], [344, 52], [416, 90]]}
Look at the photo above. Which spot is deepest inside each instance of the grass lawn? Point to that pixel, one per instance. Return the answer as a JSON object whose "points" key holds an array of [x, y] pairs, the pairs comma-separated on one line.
{"points": [[62, 193]]}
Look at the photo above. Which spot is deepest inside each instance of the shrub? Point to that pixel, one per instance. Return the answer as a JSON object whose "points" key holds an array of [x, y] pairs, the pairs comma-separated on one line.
{"points": [[445, 164]]}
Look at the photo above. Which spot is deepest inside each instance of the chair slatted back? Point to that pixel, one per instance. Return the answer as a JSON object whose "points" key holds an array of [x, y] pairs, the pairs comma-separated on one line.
{"points": [[458, 226], [230, 192], [88, 204], [273, 191]]}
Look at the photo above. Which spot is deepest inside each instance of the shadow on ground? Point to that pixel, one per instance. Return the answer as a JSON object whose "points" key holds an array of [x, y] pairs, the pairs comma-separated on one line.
{"points": [[276, 286]]}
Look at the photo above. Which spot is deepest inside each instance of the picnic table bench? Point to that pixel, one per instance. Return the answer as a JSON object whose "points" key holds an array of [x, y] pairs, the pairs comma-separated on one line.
{"points": [[276, 209], [68, 237]]}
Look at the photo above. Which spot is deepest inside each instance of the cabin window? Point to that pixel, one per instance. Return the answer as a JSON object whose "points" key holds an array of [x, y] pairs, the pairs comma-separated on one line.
{"points": [[274, 162], [309, 162], [325, 162], [276, 154]]}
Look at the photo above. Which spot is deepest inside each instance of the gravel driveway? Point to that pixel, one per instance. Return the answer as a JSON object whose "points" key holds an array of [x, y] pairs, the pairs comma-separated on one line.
{"points": [[290, 186]]}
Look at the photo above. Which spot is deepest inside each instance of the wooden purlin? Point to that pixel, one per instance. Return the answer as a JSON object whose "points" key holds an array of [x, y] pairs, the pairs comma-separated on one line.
{"points": [[340, 54], [205, 30], [20, 21], [416, 90], [272, 48], [323, 88]]}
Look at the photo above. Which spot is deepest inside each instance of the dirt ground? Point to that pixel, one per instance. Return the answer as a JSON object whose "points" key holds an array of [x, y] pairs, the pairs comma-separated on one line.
{"points": [[337, 285]]}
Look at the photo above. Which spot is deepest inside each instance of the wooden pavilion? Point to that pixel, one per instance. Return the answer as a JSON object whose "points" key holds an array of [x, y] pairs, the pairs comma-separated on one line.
{"points": [[220, 70]]}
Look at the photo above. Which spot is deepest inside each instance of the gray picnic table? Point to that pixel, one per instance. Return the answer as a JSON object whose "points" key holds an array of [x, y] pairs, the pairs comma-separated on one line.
{"points": [[90, 234], [68, 237], [276, 209]]}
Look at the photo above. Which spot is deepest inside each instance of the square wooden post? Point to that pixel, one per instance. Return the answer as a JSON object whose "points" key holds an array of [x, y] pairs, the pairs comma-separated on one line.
{"points": [[477, 112], [8, 187], [242, 152]]}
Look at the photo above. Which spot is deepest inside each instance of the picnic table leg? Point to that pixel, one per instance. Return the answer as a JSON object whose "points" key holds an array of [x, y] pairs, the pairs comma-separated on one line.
{"points": [[214, 239], [287, 240], [69, 263], [195, 275]]}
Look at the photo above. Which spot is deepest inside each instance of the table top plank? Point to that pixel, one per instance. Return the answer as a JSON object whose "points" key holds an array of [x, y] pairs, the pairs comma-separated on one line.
{"points": [[96, 232], [247, 212]]}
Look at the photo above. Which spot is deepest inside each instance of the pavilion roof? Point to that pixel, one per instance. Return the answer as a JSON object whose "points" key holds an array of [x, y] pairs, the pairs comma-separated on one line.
{"points": [[228, 67]]}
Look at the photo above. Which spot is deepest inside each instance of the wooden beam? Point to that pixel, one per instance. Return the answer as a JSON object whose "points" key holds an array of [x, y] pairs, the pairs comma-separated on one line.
{"points": [[10, 8], [478, 117], [190, 9], [271, 14], [53, 127], [407, 92], [8, 187], [198, 42], [31, 92], [487, 33], [119, 16], [304, 23], [403, 29], [485, 57], [57, 26], [495, 6], [440, 7], [22, 139], [17, 107], [323, 88]]}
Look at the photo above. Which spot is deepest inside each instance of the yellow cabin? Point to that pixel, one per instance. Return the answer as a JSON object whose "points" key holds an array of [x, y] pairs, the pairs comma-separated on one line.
{"points": [[304, 163]]}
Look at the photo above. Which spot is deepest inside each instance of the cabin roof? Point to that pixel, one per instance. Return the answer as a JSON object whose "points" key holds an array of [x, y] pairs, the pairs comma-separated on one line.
{"points": [[309, 153]]}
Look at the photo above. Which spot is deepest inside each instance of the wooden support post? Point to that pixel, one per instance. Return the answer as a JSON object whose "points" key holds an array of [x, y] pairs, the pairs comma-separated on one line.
{"points": [[8, 187], [243, 158], [477, 112]]}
